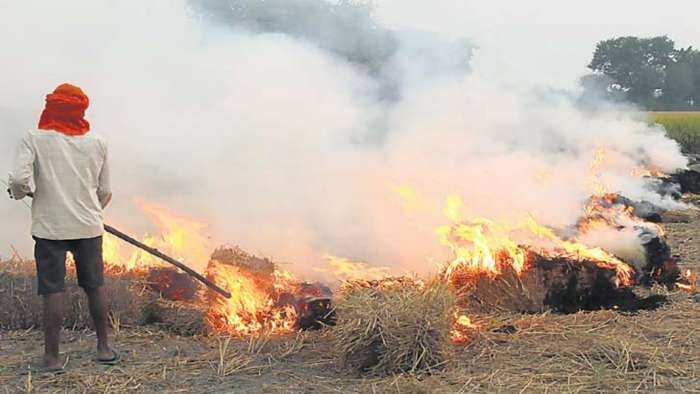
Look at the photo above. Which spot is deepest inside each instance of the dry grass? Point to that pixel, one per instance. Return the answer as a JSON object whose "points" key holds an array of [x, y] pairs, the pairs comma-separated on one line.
{"points": [[22, 306], [130, 301], [397, 328], [594, 351], [600, 351]]}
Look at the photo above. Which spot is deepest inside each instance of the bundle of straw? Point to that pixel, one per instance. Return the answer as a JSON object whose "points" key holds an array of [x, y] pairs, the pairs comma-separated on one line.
{"points": [[394, 326]]}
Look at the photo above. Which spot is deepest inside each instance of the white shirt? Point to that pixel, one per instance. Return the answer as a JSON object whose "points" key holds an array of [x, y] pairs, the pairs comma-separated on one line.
{"points": [[71, 180]]}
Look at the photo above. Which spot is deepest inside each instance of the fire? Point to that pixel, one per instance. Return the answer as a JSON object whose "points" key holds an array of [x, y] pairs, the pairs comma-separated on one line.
{"points": [[647, 172], [481, 246], [688, 281], [461, 328], [607, 211], [179, 237], [257, 305], [597, 183], [411, 201], [347, 270]]}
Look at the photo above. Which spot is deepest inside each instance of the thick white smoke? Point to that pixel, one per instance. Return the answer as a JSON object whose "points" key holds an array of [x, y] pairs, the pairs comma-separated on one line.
{"points": [[263, 136]]}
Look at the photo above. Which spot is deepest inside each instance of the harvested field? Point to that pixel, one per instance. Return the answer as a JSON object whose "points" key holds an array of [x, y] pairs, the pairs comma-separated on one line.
{"points": [[594, 351], [587, 351]]}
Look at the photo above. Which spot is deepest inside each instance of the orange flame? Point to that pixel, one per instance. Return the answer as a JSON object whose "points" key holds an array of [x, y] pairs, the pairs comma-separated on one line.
{"points": [[180, 237], [480, 246], [461, 328], [346, 270], [688, 281], [251, 310], [605, 211], [646, 172]]}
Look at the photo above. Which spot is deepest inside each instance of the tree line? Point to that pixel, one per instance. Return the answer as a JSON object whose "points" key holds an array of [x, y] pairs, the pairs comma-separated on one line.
{"points": [[649, 72]]}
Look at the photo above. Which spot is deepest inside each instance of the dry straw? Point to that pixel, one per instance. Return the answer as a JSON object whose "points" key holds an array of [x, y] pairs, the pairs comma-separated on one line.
{"points": [[131, 303], [394, 326]]}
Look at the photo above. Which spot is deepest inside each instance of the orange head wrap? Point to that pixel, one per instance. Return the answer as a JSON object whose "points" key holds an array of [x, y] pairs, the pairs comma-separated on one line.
{"points": [[65, 111]]}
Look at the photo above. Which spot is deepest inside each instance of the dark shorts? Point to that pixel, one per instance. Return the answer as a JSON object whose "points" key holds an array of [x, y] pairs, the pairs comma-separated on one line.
{"points": [[50, 258]]}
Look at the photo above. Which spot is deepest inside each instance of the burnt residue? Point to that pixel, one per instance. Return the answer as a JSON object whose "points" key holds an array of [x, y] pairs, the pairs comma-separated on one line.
{"points": [[661, 267], [315, 313], [581, 285], [688, 180], [172, 284], [584, 285], [562, 284]]}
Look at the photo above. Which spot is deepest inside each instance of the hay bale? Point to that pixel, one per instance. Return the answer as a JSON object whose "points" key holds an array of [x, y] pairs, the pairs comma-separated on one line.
{"points": [[559, 283], [394, 326]]}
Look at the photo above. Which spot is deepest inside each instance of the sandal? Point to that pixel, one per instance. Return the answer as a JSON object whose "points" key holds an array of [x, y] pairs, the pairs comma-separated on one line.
{"points": [[111, 361], [38, 369]]}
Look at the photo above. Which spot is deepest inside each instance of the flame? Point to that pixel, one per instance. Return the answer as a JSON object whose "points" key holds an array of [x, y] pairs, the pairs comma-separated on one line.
{"points": [[252, 309], [481, 246], [688, 281], [606, 211], [596, 182], [411, 201], [478, 245], [647, 172], [461, 328], [348, 270], [179, 237]]}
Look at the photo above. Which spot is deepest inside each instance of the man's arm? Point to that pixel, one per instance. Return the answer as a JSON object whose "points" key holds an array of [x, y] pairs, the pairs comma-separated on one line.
{"points": [[104, 187], [21, 176]]}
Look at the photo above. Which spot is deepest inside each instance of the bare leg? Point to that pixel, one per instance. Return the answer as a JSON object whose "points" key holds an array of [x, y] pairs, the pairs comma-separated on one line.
{"points": [[53, 320], [98, 310]]}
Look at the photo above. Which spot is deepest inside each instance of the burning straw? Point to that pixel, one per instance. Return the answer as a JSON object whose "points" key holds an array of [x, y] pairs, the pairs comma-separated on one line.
{"points": [[394, 326]]}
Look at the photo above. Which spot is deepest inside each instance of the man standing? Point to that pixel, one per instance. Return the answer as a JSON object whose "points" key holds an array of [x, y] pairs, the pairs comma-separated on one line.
{"points": [[67, 166]]}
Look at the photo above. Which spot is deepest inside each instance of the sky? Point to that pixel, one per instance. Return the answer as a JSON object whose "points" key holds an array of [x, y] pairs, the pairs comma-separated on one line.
{"points": [[542, 43]]}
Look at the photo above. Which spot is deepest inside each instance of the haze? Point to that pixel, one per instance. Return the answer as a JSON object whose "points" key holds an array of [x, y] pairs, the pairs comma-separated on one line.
{"points": [[545, 42]]}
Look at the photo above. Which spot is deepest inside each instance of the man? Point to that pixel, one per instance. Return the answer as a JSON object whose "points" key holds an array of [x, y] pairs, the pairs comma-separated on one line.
{"points": [[67, 165]]}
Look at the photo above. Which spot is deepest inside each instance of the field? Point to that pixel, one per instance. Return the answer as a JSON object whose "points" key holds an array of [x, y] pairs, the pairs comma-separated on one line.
{"points": [[591, 351], [683, 127]]}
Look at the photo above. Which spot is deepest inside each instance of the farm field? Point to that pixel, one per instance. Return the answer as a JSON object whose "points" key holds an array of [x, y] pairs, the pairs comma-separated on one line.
{"points": [[587, 351], [683, 127]]}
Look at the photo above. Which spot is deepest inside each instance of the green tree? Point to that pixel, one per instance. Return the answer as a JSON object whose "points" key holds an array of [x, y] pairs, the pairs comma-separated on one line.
{"points": [[679, 86], [637, 66], [691, 57]]}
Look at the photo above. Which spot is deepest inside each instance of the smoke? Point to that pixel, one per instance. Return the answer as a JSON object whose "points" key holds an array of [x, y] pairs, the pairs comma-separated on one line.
{"points": [[287, 147]]}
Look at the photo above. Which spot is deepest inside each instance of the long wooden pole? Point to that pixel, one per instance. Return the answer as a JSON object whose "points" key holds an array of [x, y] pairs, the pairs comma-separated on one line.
{"points": [[164, 257]]}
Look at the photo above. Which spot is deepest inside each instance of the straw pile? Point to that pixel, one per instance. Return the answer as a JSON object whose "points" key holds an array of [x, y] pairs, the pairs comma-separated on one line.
{"points": [[558, 284], [22, 306], [131, 303], [394, 326]]}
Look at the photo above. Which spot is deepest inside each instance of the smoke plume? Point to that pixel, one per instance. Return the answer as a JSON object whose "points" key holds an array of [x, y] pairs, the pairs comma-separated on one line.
{"points": [[291, 145]]}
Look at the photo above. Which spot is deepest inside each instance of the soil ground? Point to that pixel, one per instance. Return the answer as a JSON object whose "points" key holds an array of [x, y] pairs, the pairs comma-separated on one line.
{"points": [[588, 351]]}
